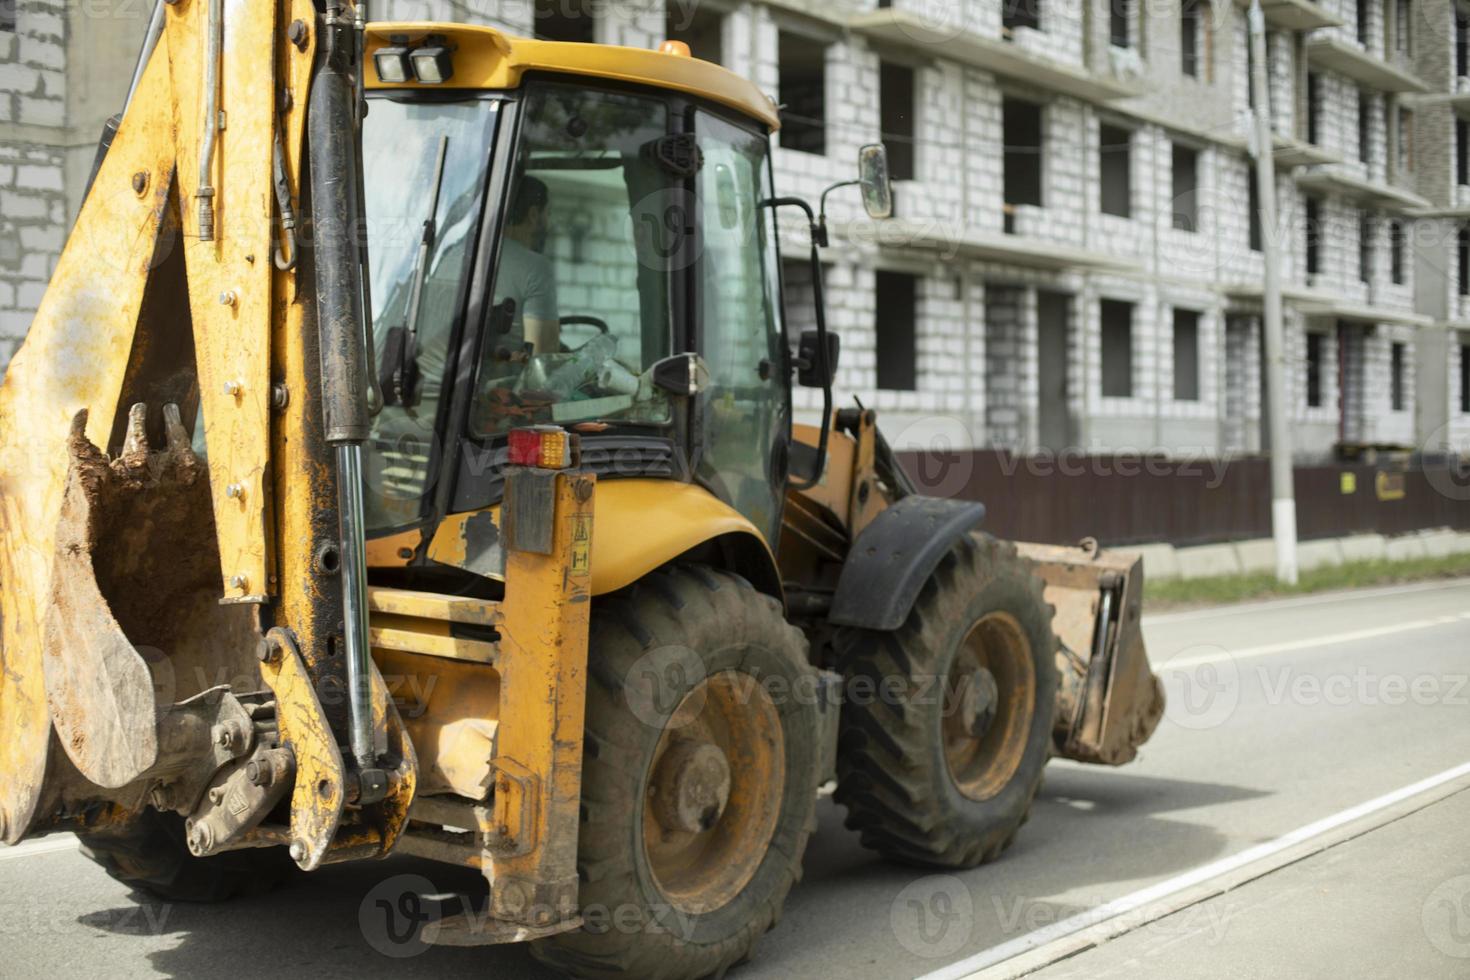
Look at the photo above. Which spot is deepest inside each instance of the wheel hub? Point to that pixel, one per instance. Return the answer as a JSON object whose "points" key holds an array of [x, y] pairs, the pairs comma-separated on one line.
{"points": [[713, 792], [691, 787], [979, 702], [988, 705]]}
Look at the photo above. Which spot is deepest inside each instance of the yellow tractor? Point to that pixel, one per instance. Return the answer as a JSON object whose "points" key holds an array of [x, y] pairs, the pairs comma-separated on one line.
{"points": [[402, 462]]}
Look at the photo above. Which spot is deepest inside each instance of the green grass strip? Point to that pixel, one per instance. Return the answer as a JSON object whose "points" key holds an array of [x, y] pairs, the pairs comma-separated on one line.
{"points": [[1186, 593]]}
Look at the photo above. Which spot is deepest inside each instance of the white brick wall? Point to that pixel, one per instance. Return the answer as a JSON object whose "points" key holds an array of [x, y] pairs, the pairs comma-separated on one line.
{"points": [[32, 199]]}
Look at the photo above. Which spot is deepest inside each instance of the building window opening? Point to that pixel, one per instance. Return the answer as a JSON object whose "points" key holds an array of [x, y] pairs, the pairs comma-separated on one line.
{"points": [[896, 118], [1021, 13], [564, 20], [1397, 394], [803, 93], [698, 26], [1185, 179], [1115, 152], [896, 313], [1315, 342], [1186, 355], [1022, 133], [1117, 349]]}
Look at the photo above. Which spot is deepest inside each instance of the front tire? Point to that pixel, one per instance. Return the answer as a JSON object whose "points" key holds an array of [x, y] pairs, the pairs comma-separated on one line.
{"points": [[698, 781], [947, 725]]}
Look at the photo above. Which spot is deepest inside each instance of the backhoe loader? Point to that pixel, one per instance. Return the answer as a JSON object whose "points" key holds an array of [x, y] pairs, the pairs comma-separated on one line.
{"points": [[402, 461]]}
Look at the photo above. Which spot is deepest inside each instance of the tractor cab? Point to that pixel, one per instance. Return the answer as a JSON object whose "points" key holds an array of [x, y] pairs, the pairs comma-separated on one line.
{"points": [[590, 252]]}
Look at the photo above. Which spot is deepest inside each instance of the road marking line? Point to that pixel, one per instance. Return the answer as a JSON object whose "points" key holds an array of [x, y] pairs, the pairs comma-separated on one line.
{"points": [[1291, 602], [1267, 650], [37, 847], [1066, 934]]}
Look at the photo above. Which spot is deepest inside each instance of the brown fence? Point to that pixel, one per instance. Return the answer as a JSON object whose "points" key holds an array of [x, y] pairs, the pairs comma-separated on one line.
{"points": [[1059, 499]]}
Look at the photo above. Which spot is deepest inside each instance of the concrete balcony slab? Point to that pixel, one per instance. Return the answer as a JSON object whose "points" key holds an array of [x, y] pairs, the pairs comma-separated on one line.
{"points": [[1352, 61], [929, 237], [904, 29]]}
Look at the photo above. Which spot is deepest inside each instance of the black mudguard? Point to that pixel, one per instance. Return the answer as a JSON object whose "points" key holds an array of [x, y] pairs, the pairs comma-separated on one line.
{"points": [[893, 557]]}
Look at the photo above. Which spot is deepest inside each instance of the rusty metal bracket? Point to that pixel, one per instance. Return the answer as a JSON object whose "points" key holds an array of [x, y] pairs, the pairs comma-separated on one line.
{"points": [[320, 790], [392, 742], [517, 790]]}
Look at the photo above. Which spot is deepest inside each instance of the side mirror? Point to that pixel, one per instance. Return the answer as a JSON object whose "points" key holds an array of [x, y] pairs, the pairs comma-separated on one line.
{"points": [[809, 373], [873, 180], [682, 375]]}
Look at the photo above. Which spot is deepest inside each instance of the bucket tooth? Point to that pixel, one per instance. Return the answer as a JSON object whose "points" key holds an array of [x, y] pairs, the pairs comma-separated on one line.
{"points": [[175, 433], [135, 445]]}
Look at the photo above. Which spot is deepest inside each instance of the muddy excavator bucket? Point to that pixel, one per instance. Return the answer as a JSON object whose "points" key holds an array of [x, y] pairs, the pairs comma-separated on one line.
{"points": [[133, 573], [1109, 702]]}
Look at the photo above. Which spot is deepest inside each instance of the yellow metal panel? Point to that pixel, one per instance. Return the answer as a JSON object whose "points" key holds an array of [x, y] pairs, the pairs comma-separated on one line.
{"points": [[73, 359], [834, 490], [230, 277], [393, 551], [451, 711], [641, 524], [419, 641], [487, 58], [539, 740], [432, 605]]}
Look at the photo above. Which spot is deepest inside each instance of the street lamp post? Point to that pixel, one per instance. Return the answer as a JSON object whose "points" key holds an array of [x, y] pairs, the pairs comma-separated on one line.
{"points": [[1283, 498]]}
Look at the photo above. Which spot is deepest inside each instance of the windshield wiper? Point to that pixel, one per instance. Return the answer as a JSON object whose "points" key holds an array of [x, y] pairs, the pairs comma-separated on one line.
{"points": [[399, 376]]}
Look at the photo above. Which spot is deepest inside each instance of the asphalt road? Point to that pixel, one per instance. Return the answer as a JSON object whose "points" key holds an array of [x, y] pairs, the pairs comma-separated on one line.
{"points": [[1280, 715]]}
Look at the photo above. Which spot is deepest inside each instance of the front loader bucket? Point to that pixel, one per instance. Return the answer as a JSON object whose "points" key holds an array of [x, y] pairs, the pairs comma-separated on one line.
{"points": [[1108, 702]]}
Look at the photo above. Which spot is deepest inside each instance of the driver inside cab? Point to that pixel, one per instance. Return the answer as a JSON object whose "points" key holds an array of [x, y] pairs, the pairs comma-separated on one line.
{"points": [[526, 277]]}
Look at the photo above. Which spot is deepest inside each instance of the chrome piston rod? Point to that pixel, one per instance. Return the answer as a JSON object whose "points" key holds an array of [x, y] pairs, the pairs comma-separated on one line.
{"points": [[354, 602]]}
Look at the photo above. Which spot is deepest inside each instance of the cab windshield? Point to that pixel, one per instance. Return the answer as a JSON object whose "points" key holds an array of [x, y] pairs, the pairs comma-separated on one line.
{"points": [[595, 221], [416, 286]]}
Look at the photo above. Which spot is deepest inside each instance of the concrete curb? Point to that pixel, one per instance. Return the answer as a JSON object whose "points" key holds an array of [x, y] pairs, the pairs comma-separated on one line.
{"points": [[1164, 561]]}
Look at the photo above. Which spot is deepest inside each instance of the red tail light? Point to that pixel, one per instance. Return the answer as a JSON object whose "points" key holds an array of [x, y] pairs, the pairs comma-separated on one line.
{"points": [[548, 447]]}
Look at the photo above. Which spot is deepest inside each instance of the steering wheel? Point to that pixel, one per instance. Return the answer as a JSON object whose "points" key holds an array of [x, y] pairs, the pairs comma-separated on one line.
{"points": [[582, 321]]}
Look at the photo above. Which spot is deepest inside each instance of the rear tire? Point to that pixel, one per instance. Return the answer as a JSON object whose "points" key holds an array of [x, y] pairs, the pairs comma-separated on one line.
{"points": [[150, 855], [975, 655], [689, 657]]}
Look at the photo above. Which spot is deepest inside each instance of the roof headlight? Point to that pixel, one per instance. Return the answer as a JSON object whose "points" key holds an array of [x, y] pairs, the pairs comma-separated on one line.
{"points": [[432, 64], [393, 65]]}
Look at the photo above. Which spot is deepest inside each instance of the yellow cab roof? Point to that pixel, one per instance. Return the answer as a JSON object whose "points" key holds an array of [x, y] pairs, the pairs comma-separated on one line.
{"points": [[485, 58]]}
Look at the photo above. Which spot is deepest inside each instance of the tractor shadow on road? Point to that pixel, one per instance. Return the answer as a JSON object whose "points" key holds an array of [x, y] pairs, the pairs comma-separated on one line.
{"points": [[327, 924], [1093, 835]]}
